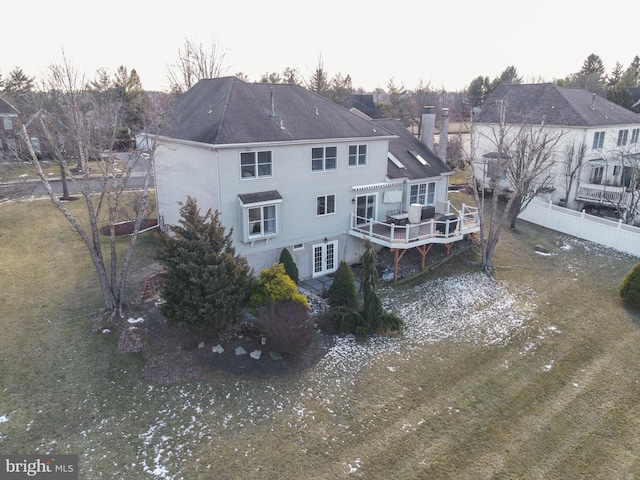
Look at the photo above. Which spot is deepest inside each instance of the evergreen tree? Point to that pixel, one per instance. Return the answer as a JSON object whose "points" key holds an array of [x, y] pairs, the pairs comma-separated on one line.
{"points": [[372, 305], [319, 81], [630, 287], [206, 281], [342, 291], [289, 265]]}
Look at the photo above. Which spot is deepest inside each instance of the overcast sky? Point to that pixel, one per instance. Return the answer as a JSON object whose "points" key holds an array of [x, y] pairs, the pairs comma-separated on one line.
{"points": [[441, 43]]}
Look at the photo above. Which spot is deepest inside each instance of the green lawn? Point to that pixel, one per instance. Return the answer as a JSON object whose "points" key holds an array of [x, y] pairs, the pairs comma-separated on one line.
{"points": [[535, 375]]}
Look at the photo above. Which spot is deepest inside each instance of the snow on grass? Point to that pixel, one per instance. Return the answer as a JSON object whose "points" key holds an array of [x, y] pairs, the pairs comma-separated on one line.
{"points": [[4, 418], [469, 308]]}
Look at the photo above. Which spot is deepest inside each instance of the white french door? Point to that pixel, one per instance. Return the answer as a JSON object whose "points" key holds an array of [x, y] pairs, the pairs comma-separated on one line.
{"points": [[325, 258]]}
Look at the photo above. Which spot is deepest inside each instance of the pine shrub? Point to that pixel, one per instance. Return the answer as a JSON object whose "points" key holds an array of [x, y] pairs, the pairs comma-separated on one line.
{"points": [[273, 286], [630, 287], [289, 265], [342, 292], [206, 281]]}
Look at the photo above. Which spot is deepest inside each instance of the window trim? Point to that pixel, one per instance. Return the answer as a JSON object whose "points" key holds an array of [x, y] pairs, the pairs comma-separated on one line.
{"points": [[247, 235], [324, 159], [426, 194], [256, 165], [623, 136], [635, 133], [358, 155], [326, 205], [598, 141]]}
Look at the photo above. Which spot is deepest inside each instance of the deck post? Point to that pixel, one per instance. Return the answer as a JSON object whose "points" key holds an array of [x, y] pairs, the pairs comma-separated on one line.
{"points": [[396, 260], [424, 250]]}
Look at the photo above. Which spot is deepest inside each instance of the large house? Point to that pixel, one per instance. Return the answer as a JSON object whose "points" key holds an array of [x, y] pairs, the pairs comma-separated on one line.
{"points": [[608, 134], [287, 168]]}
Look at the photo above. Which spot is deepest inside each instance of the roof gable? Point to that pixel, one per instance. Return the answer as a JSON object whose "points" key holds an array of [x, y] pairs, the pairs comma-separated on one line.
{"points": [[229, 111], [7, 109], [405, 149], [553, 105]]}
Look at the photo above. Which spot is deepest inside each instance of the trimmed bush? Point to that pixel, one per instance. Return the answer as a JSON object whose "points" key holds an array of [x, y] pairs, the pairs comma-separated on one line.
{"points": [[289, 265], [273, 286], [288, 328], [342, 292], [630, 287]]}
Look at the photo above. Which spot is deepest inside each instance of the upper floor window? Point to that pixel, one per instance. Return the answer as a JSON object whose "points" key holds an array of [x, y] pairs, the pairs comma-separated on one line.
{"points": [[260, 211], [423, 193], [634, 135], [357, 155], [598, 140], [622, 137], [324, 158], [7, 123], [325, 205], [255, 164]]}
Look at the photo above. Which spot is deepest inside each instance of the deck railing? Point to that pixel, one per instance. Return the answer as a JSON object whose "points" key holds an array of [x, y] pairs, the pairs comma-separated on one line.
{"points": [[432, 230], [605, 194]]}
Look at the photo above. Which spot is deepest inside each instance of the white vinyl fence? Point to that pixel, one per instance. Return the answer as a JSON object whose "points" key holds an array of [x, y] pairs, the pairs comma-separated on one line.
{"points": [[614, 234]]}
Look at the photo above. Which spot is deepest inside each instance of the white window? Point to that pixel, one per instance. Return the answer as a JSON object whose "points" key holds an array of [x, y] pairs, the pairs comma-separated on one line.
{"points": [[357, 155], [634, 135], [325, 205], [8, 123], [622, 137], [324, 158], [262, 221], [255, 165], [598, 140], [366, 208], [260, 212], [423, 193], [324, 258]]}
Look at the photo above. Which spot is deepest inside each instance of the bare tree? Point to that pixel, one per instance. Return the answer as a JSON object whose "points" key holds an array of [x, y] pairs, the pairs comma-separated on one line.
{"points": [[517, 167], [76, 124], [573, 161], [197, 61]]}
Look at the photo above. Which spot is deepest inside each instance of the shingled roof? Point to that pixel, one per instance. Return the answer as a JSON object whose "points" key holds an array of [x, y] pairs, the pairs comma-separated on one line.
{"points": [[405, 149], [6, 108], [558, 106], [222, 111]]}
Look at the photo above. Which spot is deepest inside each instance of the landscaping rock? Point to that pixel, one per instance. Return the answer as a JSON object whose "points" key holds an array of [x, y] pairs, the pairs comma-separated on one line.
{"points": [[240, 351], [201, 345], [217, 349], [256, 354], [275, 356]]}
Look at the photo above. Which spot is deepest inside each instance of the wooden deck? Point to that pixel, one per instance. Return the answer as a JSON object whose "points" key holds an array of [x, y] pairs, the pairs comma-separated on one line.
{"points": [[422, 236]]}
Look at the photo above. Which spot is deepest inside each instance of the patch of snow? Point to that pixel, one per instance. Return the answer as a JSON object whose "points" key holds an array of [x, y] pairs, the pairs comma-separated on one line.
{"points": [[135, 320], [4, 418]]}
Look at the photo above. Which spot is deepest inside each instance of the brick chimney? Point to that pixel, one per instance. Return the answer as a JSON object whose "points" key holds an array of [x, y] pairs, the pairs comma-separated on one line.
{"points": [[428, 126], [444, 135]]}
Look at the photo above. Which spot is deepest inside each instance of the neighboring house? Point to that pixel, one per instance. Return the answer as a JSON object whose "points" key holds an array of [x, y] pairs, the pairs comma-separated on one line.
{"points": [[608, 173], [287, 168], [8, 130]]}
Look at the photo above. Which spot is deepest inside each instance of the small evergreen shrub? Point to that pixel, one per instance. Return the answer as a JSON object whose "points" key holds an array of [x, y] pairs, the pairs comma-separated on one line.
{"points": [[347, 320], [289, 265], [273, 286], [288, 328], [630, 287], [342, 292]]}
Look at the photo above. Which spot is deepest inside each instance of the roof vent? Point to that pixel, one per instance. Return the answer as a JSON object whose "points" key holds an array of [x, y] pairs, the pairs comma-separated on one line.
{"points": [[272, 106]]}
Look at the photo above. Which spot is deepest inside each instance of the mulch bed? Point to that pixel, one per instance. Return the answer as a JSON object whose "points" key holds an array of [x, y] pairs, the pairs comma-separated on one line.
{"points": [[126, 228], [174, 353]]}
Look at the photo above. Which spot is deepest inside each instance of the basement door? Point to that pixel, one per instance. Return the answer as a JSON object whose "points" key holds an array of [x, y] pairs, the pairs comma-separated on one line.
{"points": [[324, 258]]}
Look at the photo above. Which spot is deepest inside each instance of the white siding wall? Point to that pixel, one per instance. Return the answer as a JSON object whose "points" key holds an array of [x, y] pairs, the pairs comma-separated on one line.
{"points": [[181, 171], [187, 170]]}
